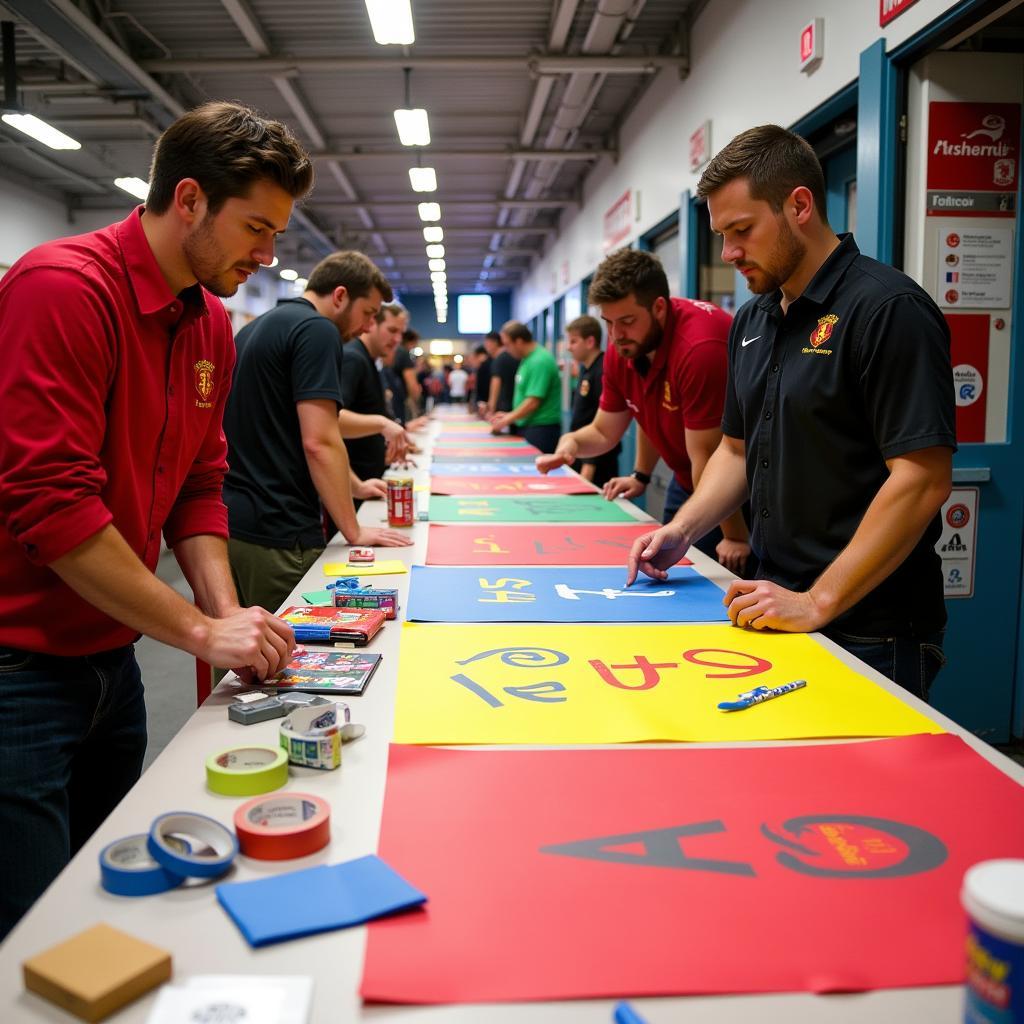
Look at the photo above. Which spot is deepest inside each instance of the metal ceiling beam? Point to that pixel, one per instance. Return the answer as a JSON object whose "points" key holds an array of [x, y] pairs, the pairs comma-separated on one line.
{"points": [[53, 167], [541, 229], [535, 65], [449, 204], [474, 154]]}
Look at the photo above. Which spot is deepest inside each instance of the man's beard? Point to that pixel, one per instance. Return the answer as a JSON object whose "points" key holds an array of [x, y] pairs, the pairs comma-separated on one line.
{"points": [[206, 260], [781, 264]]}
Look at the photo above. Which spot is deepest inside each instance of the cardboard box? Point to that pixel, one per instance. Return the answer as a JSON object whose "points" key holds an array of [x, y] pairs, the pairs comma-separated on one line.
{"points": [[97, 971]]}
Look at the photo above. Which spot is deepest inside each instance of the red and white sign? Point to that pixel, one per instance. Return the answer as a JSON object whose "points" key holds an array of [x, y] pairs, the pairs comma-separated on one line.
{"points": [[811, 44], [618, 221], [890, 9], [973, 159], [969, 334], [700, 146]]}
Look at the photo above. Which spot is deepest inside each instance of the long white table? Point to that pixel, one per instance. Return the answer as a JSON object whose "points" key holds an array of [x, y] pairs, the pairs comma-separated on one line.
{"points": [[202, 939]]}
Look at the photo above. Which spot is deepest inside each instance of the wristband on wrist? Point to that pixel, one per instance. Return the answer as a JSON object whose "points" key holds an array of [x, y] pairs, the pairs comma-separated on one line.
{"points": [[644, 478]]}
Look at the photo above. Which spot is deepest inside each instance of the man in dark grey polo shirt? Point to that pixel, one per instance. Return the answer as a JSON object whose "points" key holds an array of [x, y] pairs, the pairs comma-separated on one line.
{"points": [[839, 423]]}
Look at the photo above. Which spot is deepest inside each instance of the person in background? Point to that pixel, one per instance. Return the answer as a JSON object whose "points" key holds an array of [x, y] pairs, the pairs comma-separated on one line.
{"points": [[584, 341], [503, 381], [285, 452], [485, 354], [458, 382], [409, 392], [537, 399], [665, 366], [846, 466], [116, 363]]}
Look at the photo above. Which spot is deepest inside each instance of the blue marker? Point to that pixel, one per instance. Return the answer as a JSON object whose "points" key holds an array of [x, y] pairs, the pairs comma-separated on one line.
{"points": [[625, 1014], [760, 694]]}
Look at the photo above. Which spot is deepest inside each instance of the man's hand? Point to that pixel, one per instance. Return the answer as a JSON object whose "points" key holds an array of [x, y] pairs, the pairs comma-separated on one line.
{"points": [[420, 423], [623, 487], [260, 643], [397, 441], [763, 605], [377, 538], [370, 490], [733, 554], [563, 455], [655, 552], [499, 421]]}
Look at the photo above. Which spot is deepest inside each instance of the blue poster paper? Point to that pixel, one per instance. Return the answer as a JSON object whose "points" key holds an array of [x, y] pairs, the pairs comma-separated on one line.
{"points": [[530, 593], [496, 468], [316, 899]]}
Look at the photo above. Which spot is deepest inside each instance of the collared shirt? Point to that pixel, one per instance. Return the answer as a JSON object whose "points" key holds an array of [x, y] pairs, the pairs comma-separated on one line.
{"points": [[856, 372], [113, 392], [363, 392], [288, 355], [684, 388], [587, 398], [537, 377]]}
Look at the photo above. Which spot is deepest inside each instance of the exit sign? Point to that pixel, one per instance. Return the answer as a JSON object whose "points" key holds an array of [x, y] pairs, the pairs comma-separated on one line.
{"points": [[811, 44]]}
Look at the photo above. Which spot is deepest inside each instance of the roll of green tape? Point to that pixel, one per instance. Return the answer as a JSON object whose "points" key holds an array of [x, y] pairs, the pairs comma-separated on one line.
{"points": [[246, 771]]}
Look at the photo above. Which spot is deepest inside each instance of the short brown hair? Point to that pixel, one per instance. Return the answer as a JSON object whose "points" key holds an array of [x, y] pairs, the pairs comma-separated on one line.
{"points": [[351, 270], [774, 161], [517, 331], [389, 309], [629, 272], [585, 327], [227, 148]]}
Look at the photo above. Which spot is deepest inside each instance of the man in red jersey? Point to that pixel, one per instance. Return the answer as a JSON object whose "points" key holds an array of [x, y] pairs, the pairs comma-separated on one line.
{"points": [[665, 367], [115, 363]]}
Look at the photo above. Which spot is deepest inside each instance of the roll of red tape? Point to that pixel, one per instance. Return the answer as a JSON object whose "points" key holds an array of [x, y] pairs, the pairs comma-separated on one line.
{"points": [[283, 826]]}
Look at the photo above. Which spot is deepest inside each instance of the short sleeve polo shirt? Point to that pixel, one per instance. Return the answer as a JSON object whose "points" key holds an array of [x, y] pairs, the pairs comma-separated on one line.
{"points": [[537, 377], [288, 355], [684, 388], [587, 397], [363, 392], [856, 372]]}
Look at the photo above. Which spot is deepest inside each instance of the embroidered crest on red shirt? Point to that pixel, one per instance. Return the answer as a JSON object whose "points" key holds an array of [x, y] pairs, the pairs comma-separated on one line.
{"points": [[666, 398], [204, 382], [823, 331]]}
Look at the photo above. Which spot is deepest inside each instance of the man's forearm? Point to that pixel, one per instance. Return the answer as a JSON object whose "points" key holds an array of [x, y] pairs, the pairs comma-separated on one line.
{"points": [[358, 424], [527, 407], [646, 454], [701, 445], [204, 561], [493, 395], [107, 573], [332, 476]]}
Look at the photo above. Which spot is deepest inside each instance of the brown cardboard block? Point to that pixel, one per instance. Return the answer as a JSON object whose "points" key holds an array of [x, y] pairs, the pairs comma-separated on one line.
{"points": [[97, 971]]}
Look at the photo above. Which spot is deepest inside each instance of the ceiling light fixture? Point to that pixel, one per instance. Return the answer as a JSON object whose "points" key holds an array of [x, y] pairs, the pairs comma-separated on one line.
{"points": [[435, 252], [436, 265], [413, 129], [134, 186], [433, 234], [391, 22], [429, 211], [40, 131], [288, 274], [423, 179]]}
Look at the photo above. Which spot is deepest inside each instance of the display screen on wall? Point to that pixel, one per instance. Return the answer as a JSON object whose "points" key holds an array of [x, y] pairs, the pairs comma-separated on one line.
{"points": [[474, 312]]}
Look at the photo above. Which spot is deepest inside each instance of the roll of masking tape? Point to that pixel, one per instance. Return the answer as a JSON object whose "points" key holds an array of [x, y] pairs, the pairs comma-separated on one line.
{"points": [[128, 869], [283, 826], [311, 737], [211, 856], [246, 771]]}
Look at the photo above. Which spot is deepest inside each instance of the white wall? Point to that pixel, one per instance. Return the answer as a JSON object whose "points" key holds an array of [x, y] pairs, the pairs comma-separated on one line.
{"points": [[745, 71]]}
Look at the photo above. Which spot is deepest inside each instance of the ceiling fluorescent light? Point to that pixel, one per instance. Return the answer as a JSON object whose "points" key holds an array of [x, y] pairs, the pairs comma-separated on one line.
{"points": [[429, 211], [436, 265], [413, 129], [435, 252], [423, 179], [433, 234], [438, 275], [288, 274], [134, 186], [41, 131], [391, 21]]}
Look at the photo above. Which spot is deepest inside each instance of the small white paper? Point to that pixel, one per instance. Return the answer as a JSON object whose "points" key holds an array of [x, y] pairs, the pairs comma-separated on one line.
{"points": [[235, 999]]}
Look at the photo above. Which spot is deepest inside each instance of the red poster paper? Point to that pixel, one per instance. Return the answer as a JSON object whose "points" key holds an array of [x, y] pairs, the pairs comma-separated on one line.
{"points": [[492, 451], [510, 485], [969, 354], [557, 874], [534, 545]]}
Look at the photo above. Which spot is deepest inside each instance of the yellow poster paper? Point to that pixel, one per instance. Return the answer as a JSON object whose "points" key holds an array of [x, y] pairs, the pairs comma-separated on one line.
{"points": [[384, 568], [619, 684]]}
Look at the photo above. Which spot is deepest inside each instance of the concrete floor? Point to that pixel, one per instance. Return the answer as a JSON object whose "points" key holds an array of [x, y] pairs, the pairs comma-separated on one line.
{"points": [[169, 675]]}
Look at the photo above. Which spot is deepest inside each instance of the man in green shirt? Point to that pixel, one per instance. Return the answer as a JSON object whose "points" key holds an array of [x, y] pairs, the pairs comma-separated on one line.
{"points": [[537, 403]]}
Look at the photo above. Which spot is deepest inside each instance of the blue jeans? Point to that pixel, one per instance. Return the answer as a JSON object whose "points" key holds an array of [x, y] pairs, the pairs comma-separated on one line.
{"points": [[912, 662], [72, 740]]}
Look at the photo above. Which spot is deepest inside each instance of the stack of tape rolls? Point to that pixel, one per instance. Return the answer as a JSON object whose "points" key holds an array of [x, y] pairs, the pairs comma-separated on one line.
{"points": [[283, 826], [312, 737], [246, 771], [146, 864]]}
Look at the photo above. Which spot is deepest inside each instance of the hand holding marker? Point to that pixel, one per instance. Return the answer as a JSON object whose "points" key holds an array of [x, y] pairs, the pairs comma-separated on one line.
{"points": [[760, 694]]}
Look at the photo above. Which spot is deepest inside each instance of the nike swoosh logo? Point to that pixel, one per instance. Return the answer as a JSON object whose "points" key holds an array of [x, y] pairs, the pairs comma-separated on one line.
{"points": [[749, 341]]}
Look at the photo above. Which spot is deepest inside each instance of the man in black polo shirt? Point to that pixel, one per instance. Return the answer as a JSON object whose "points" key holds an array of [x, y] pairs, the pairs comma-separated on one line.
{"points": [[284, 450], [363, 391], [503, 380], [839, 420], [584, 338]]}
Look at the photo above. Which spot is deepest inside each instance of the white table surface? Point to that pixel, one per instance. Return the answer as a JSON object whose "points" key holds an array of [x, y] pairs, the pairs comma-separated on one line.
{"points": [[203, 940]]}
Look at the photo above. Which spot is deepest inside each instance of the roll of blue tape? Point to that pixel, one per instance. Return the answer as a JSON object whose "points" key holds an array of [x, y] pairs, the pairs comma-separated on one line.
{"points": [[220, 841], [128, 869]]}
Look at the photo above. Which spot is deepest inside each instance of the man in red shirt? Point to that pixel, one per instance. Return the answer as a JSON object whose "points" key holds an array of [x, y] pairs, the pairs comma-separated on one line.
{"points": [[665, 367], [115, 364]]}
